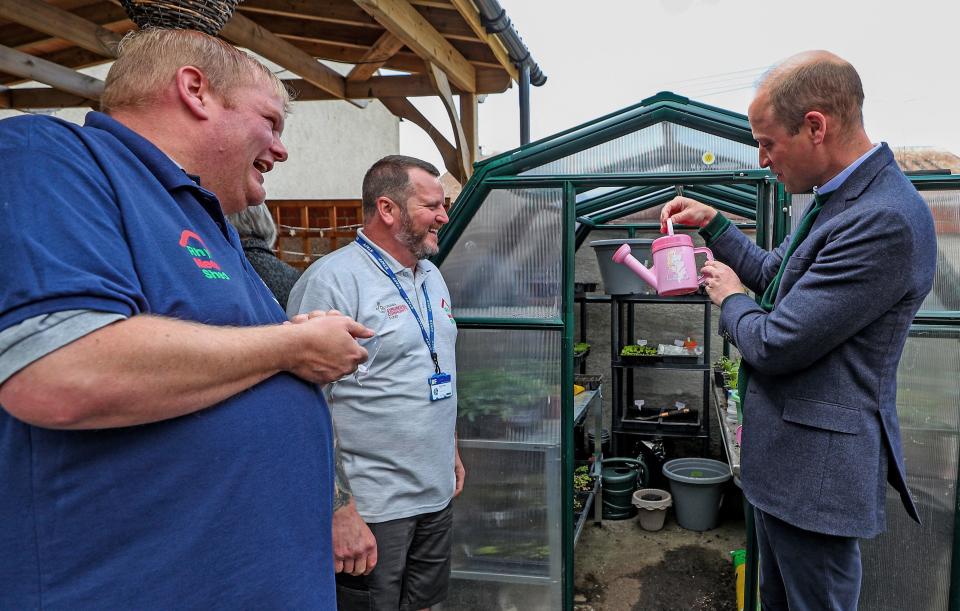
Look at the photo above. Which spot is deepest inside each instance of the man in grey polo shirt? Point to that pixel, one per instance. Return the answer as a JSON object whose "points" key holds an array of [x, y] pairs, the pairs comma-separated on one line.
{"points": [[396, 422]]}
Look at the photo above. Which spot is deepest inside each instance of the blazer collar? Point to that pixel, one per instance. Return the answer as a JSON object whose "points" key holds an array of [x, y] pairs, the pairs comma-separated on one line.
{"points": [[860, 179]]}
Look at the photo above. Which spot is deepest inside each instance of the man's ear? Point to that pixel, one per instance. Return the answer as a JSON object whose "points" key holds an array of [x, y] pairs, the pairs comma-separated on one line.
{"points": [[193, 89], [388, 211], [815, 125]]}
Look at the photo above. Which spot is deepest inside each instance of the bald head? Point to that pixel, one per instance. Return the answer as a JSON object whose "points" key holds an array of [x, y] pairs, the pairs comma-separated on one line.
{"points": [[814, 81]]}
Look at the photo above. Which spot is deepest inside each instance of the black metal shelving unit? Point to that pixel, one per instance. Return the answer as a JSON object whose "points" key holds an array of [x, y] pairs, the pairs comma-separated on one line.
{"points": [[627, 420]]}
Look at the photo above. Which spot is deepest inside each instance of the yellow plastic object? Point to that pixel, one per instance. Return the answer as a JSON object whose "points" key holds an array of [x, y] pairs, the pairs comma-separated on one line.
{"points": [[577, 389], [739, 566]]}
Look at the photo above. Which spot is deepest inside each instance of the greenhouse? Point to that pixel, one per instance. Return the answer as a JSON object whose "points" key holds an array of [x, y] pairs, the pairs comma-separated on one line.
{"points": [[516, 246]]}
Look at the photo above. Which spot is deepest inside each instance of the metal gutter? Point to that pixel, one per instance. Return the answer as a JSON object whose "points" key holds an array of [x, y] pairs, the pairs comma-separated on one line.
{"points": [[495, 20]]}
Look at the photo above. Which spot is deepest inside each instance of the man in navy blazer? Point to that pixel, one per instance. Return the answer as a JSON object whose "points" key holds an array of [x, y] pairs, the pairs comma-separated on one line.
{"points": [[821, 349]]}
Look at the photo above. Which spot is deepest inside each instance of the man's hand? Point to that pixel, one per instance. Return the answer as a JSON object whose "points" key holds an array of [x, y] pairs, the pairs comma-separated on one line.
{"points": [[459, 473], [685, 211], [354, 546], [327, 346], [720, 281]]}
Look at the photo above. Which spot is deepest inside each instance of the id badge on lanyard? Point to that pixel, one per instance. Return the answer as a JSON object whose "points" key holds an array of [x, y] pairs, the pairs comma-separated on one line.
{"points": [[441, 387], [440, 383]]}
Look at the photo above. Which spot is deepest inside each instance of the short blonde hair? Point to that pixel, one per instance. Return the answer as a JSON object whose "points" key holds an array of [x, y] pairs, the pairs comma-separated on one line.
{"points": [[148, 60]]}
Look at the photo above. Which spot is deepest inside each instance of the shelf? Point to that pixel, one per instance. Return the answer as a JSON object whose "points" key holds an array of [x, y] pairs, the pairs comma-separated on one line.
{"points": [[728, 431], [502, 577], [695, 298], [623, 370], [661, 365], [581, 403], [495, 444], [592, 298], [584, 515], [690, 433]]}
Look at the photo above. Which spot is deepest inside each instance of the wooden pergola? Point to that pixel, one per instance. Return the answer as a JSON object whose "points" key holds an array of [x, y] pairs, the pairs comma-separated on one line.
{"points": [[440, 47]]}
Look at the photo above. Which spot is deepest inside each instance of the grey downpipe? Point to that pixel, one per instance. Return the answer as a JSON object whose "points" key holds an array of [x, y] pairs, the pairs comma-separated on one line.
{"points": [[524, 105]]}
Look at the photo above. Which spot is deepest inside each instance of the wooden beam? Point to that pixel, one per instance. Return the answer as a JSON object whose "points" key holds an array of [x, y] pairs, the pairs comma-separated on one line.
{"points": [[448, 22], [400, 18], [44, 97], [405, 109], [468, 118], [56, 22], [332, 11], [73, 58], [440, 83], [410, 86], [5, 101], [242, 31], [382, 50], [471, 15], [306, 29], [105, 14], [40, 70]]}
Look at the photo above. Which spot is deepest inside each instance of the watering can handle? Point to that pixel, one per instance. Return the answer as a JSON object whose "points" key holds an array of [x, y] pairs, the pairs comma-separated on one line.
{"points": [[704, 251]]}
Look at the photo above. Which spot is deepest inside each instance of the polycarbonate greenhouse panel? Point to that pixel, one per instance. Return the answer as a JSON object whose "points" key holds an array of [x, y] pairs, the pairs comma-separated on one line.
{"points": [[508, 385], [663, 147], [481, 595], [506, 521], [945, 207], [798, 205], [508, 537], [928, 391], [507, 262], [909, 566], [945, 296]]}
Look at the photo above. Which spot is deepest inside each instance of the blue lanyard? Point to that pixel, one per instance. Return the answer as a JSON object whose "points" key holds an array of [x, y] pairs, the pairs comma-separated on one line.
{"points": [[429, 340]]}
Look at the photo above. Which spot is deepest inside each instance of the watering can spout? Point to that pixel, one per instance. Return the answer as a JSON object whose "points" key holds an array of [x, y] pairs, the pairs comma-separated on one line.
{"points": [[623, 256]]}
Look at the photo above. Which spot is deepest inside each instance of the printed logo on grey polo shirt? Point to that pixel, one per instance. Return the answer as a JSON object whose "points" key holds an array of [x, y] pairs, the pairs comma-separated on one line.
{"points": [[392, 310]]}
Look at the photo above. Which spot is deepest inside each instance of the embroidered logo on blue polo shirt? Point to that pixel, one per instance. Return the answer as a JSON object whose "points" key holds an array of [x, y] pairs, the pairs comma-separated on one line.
{"points": [[201, 256]]}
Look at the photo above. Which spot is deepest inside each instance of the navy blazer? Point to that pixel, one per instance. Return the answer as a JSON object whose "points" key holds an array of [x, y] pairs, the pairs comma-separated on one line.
{"points": [[821, 435]]}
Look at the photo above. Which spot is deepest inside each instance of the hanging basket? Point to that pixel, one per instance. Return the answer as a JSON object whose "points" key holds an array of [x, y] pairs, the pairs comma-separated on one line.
{"points": [[204, 15]]}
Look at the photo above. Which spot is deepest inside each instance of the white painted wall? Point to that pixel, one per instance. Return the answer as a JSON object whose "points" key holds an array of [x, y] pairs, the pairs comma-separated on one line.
{"points": [[331, 144]]}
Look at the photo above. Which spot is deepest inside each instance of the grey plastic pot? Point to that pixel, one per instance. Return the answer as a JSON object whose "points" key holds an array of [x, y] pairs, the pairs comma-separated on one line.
{"points": [[697, 487], [618, 279]]}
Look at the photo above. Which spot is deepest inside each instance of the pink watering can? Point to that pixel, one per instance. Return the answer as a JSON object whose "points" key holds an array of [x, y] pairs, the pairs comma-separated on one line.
{"points": [[674, 270]]}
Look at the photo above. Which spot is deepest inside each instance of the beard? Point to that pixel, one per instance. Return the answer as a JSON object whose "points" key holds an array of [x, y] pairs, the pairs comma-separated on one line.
{"points": [[414, 241]]}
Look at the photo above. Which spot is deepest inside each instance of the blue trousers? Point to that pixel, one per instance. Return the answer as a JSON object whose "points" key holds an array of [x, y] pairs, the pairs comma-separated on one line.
{"points": [[802, 570]]}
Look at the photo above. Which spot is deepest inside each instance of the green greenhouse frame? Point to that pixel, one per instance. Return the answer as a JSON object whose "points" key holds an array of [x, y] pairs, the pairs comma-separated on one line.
{"points": [[581, 181]]}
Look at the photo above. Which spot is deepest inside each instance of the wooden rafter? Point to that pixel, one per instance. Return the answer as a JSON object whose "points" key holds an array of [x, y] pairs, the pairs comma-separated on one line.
{"points": [[405, 109], [440, 83], [29, 40], [470, 14], [40, 70], [57, 22], [343, 13], [43, 97], [406, 86], [246, 33], [400, 18], [382, 50]]}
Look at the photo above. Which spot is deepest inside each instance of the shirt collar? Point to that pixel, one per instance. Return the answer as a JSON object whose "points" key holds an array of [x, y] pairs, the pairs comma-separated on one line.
{"points": [[167, 171], [395, 266], [834, 183]]}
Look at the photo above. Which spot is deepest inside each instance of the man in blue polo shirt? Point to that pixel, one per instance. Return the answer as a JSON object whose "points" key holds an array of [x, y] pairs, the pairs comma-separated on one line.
{"points": [[162, 440]]}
